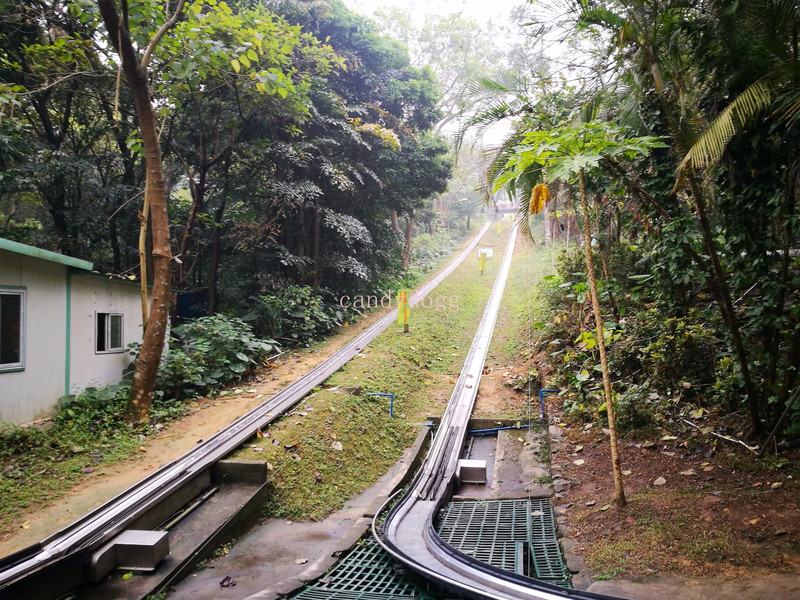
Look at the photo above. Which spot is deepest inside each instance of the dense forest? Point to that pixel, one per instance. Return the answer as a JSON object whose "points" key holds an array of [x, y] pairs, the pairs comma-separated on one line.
{"points": [[294, 146], [301, 148], [676, 156]]}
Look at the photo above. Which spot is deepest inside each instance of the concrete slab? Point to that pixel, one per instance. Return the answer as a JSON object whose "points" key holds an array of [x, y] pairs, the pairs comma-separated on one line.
{"points": [[278, 556], [132, 550], [194, 537], [518, 469]]}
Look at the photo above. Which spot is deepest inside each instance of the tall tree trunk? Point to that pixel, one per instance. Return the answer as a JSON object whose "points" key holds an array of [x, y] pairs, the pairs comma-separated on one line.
{"points": [[198, 191], [409, 238], [317, 219], [213, 267], [395, 222], [619, 492], [719, 279], [144, 377]]}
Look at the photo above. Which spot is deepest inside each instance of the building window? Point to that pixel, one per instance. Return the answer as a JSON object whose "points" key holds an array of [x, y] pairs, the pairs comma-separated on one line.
{"points": [[109, 332], [12, 326]]}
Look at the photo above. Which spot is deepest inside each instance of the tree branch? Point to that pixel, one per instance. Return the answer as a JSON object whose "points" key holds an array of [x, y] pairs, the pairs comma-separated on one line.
{"points": [[160, 34]]}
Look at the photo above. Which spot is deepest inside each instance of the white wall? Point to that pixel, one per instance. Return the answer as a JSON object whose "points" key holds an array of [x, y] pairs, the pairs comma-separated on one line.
{"points": [[33, 392], [92, 294]]}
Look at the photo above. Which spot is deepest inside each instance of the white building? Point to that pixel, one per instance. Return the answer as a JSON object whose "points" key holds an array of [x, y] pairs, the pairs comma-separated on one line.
{"points": [[62, 328]]}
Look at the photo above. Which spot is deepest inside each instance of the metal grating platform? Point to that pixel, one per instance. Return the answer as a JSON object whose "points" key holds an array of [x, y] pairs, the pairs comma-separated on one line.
{"points": [[367, 573], [514, 535]]}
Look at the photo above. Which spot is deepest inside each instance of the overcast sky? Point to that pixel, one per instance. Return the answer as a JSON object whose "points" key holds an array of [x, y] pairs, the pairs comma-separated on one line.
{"points": [[481, 10]]}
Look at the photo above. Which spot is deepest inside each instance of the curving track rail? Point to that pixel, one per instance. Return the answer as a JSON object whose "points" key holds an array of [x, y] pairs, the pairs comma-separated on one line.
{"points": [[407, 532], [75, 543]]}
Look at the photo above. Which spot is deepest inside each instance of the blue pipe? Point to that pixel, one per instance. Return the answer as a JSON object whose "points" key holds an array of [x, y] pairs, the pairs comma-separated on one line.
{"points": [[541, 399], [391, 401]]}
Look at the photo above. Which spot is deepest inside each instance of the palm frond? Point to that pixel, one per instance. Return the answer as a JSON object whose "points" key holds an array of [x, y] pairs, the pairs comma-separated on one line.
{"points": [[708, 148], [484, 84]]}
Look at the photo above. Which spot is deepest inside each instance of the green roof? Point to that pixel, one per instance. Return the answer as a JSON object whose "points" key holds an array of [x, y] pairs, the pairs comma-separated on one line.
{"points": [[17, 248]]}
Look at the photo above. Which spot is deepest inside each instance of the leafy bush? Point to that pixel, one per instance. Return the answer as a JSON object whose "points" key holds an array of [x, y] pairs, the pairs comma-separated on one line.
{"points": [[296, 314], [430, 248], [206, 354], [652, 352], [682, 349], [95, 409]]}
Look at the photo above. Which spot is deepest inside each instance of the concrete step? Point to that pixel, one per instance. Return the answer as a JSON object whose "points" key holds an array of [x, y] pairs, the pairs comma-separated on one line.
{"points": [[237, 503]]}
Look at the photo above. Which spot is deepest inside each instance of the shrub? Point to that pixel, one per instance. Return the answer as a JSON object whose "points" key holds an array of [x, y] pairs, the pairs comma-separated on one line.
{"points": [[296, 314], [206, 354]]}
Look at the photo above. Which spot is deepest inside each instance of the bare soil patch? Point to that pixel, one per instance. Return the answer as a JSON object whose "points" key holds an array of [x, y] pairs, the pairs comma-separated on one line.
{"points": [[696, 508]]}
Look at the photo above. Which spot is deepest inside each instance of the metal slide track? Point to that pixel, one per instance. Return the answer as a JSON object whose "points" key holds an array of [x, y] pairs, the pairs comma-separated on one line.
{"points": [[408, 531], [76, 541]]}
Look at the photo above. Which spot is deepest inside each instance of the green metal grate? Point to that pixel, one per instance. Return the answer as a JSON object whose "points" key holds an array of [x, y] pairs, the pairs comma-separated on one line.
{"points": [[367, 573], [497, 532]]}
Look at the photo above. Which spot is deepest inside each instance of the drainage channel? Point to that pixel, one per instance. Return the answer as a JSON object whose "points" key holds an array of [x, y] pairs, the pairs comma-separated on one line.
{"points": [[516, 535], [368, 572], [513, 535]]}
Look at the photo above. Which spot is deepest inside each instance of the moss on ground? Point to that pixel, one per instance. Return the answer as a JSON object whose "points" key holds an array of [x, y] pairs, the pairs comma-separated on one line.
{"points": [[336, 444]]}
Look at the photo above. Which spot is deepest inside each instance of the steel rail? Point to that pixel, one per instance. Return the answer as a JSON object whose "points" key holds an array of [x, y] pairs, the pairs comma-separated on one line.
{"points": [[408, 533], [76, 541]]}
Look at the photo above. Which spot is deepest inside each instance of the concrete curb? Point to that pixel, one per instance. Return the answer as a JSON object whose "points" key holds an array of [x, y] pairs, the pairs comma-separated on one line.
{"points": [[406, 467]]}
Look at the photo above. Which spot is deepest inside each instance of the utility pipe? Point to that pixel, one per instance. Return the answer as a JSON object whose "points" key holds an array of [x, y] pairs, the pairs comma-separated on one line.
{"points": [[541, 399], [391, 401]]}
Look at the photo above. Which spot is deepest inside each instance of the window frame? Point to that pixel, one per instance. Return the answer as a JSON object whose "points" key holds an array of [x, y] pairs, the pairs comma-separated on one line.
{"points": [[107, 317], [22, 294]]}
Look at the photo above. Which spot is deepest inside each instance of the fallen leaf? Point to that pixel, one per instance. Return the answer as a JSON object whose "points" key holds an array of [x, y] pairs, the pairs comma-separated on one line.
{"points": [[590, 503], [660, 481], [127, 575], [688, 472], [578, 462], [668, 438], [227, 582], [707, 469], [301, 561], [776, 485], [605, 508], [753, 521], [26, 525], [336, 445], [626, 472], [578, 448]]}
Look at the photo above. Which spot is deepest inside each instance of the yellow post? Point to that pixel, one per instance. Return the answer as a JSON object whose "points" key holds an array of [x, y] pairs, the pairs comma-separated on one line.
{"points": [[403, 309]]}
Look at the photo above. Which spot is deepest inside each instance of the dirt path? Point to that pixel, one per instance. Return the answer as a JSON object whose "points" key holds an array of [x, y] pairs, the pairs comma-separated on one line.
{"points": [[206, 418]]}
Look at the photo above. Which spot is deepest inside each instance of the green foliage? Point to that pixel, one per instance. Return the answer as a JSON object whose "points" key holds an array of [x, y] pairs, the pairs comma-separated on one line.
{"points": [[655, 357], [205, 355], [296, 315], [565, 151]]}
